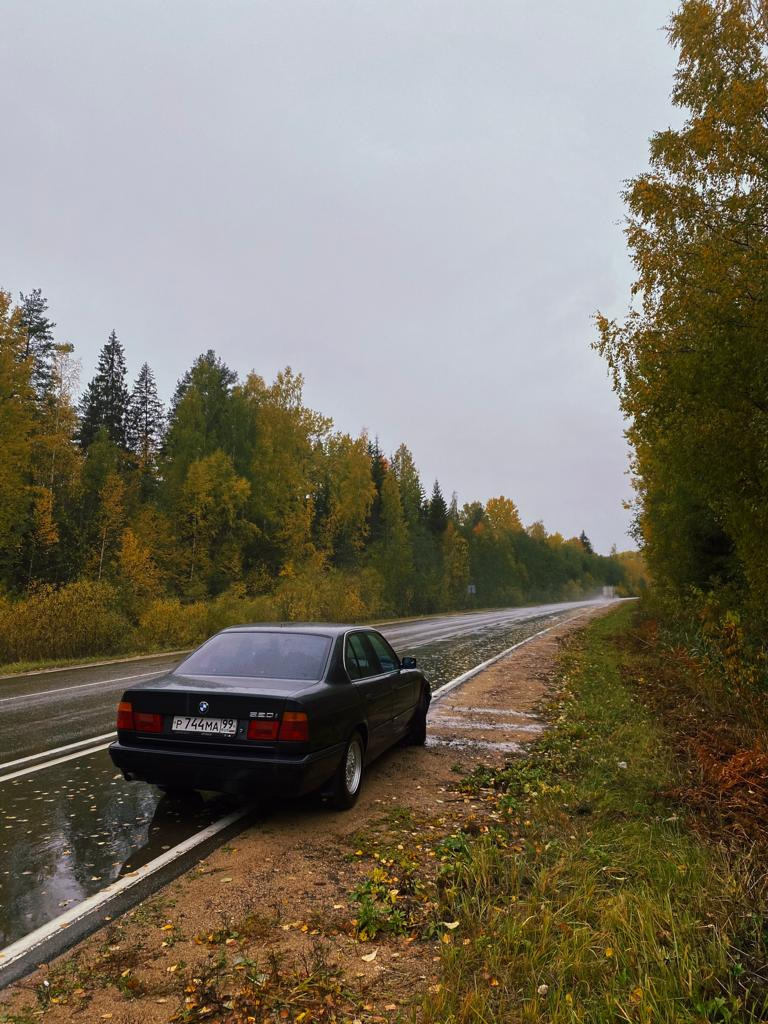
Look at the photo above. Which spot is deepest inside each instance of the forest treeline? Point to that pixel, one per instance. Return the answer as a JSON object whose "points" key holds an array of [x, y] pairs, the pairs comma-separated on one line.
{"points": [[690, 360], [125, 524]]}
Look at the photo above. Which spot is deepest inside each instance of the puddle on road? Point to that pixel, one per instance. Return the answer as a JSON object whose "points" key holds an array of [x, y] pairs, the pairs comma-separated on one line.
{"points": [[69, 830], [483, 723], [455, 743]]}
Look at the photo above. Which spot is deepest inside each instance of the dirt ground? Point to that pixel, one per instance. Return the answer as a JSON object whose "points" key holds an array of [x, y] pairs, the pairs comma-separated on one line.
{"points": [[279, 895]]}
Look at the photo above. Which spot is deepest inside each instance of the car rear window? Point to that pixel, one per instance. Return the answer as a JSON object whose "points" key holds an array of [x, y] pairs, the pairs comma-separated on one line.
{"points": [[272, 655]]}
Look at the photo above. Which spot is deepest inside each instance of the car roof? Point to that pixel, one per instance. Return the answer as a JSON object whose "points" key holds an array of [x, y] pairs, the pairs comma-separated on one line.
{"points": [[319, 628]]}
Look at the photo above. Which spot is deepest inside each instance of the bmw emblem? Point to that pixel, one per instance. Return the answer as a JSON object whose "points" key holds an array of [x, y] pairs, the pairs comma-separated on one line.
{"points": [[203, 706]]}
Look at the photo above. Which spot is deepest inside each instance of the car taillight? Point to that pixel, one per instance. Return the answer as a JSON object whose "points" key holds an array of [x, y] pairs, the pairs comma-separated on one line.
{"points": [[124, 715], [263, 730], [145, 722], [294, 727]]}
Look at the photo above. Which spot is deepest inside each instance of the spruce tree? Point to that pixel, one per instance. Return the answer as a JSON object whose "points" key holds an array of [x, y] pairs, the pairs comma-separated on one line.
{"points": [[200, 420], [145, 419], [105, 402], [411, 491], [586, 543], [379, 469], [437, 514], [40, 346]]}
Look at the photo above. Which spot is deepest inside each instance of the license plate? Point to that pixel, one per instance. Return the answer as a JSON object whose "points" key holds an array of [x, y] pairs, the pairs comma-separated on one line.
{"points": [[214, 726]]}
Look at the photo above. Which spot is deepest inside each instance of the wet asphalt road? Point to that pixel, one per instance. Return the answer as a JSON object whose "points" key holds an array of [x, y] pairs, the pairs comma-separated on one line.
{"points": [[70, 827], [51, 709]]}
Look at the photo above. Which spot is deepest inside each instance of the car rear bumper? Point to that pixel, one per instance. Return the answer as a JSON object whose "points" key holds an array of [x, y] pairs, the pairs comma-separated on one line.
{"points": [[227, 773]]}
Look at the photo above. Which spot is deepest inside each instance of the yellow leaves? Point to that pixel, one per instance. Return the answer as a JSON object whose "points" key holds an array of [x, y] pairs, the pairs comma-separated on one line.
{"points": [[502, 515], [45, 528], [137, 568]]}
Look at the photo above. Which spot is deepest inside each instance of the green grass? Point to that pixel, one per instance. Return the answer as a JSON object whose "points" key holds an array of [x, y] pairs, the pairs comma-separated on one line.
{"points": [[11, 669], [593, 900]]}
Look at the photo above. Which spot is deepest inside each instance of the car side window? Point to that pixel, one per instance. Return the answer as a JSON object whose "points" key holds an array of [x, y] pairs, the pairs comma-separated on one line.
{"points": [[385, 654], [350, 660], [367, 662]]}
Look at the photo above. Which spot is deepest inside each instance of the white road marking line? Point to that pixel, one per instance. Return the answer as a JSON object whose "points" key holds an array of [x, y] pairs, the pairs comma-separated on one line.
{"points": [[36, 938], [57, 750], [79, 686], [50, 764]]}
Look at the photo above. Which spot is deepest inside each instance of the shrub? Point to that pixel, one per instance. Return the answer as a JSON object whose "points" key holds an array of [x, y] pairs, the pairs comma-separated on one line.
{"points": [[76, 620], [316, 592], [169, 623], [234, 607]]}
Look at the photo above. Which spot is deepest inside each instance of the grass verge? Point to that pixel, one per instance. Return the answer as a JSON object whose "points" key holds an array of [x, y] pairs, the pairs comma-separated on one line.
{"points": [[11, 670], [595, 898]]}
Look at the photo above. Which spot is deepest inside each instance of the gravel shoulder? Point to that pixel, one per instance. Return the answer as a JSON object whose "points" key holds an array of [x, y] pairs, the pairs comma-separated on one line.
{"points": [[276, 904]]}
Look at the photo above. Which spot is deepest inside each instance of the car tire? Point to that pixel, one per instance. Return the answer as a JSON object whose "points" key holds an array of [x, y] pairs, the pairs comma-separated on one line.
{"points": [[348, 779], [417, 730]]}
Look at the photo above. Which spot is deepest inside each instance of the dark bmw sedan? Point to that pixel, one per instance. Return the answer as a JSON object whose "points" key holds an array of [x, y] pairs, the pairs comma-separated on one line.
{"points": [[273, 710]]}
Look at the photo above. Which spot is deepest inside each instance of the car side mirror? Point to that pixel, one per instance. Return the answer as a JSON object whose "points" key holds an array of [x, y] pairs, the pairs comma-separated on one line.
{"points": [[408, 662]]}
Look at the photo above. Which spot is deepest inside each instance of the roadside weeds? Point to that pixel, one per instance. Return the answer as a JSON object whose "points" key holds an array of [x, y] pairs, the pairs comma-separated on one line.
{"points": [[597, 900]]}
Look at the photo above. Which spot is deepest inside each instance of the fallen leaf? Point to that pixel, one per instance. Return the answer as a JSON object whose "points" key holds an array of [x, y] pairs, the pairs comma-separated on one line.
{"points": [[369, 957], [451, 924]]}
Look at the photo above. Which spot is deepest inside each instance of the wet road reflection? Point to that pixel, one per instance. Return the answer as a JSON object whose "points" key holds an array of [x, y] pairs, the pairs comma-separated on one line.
{"points": [[68, 830]]}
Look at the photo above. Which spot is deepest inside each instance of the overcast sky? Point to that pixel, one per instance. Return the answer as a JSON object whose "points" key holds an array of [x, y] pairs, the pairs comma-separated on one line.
{"points": [[415, 204]]}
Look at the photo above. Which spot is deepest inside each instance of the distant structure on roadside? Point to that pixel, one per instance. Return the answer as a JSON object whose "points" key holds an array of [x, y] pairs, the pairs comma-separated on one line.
{"points": [[609, 591]]}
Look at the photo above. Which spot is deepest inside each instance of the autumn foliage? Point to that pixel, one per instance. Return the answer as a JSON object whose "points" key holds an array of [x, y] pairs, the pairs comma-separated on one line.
{"points": [[123, 527], [689, 361]]}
